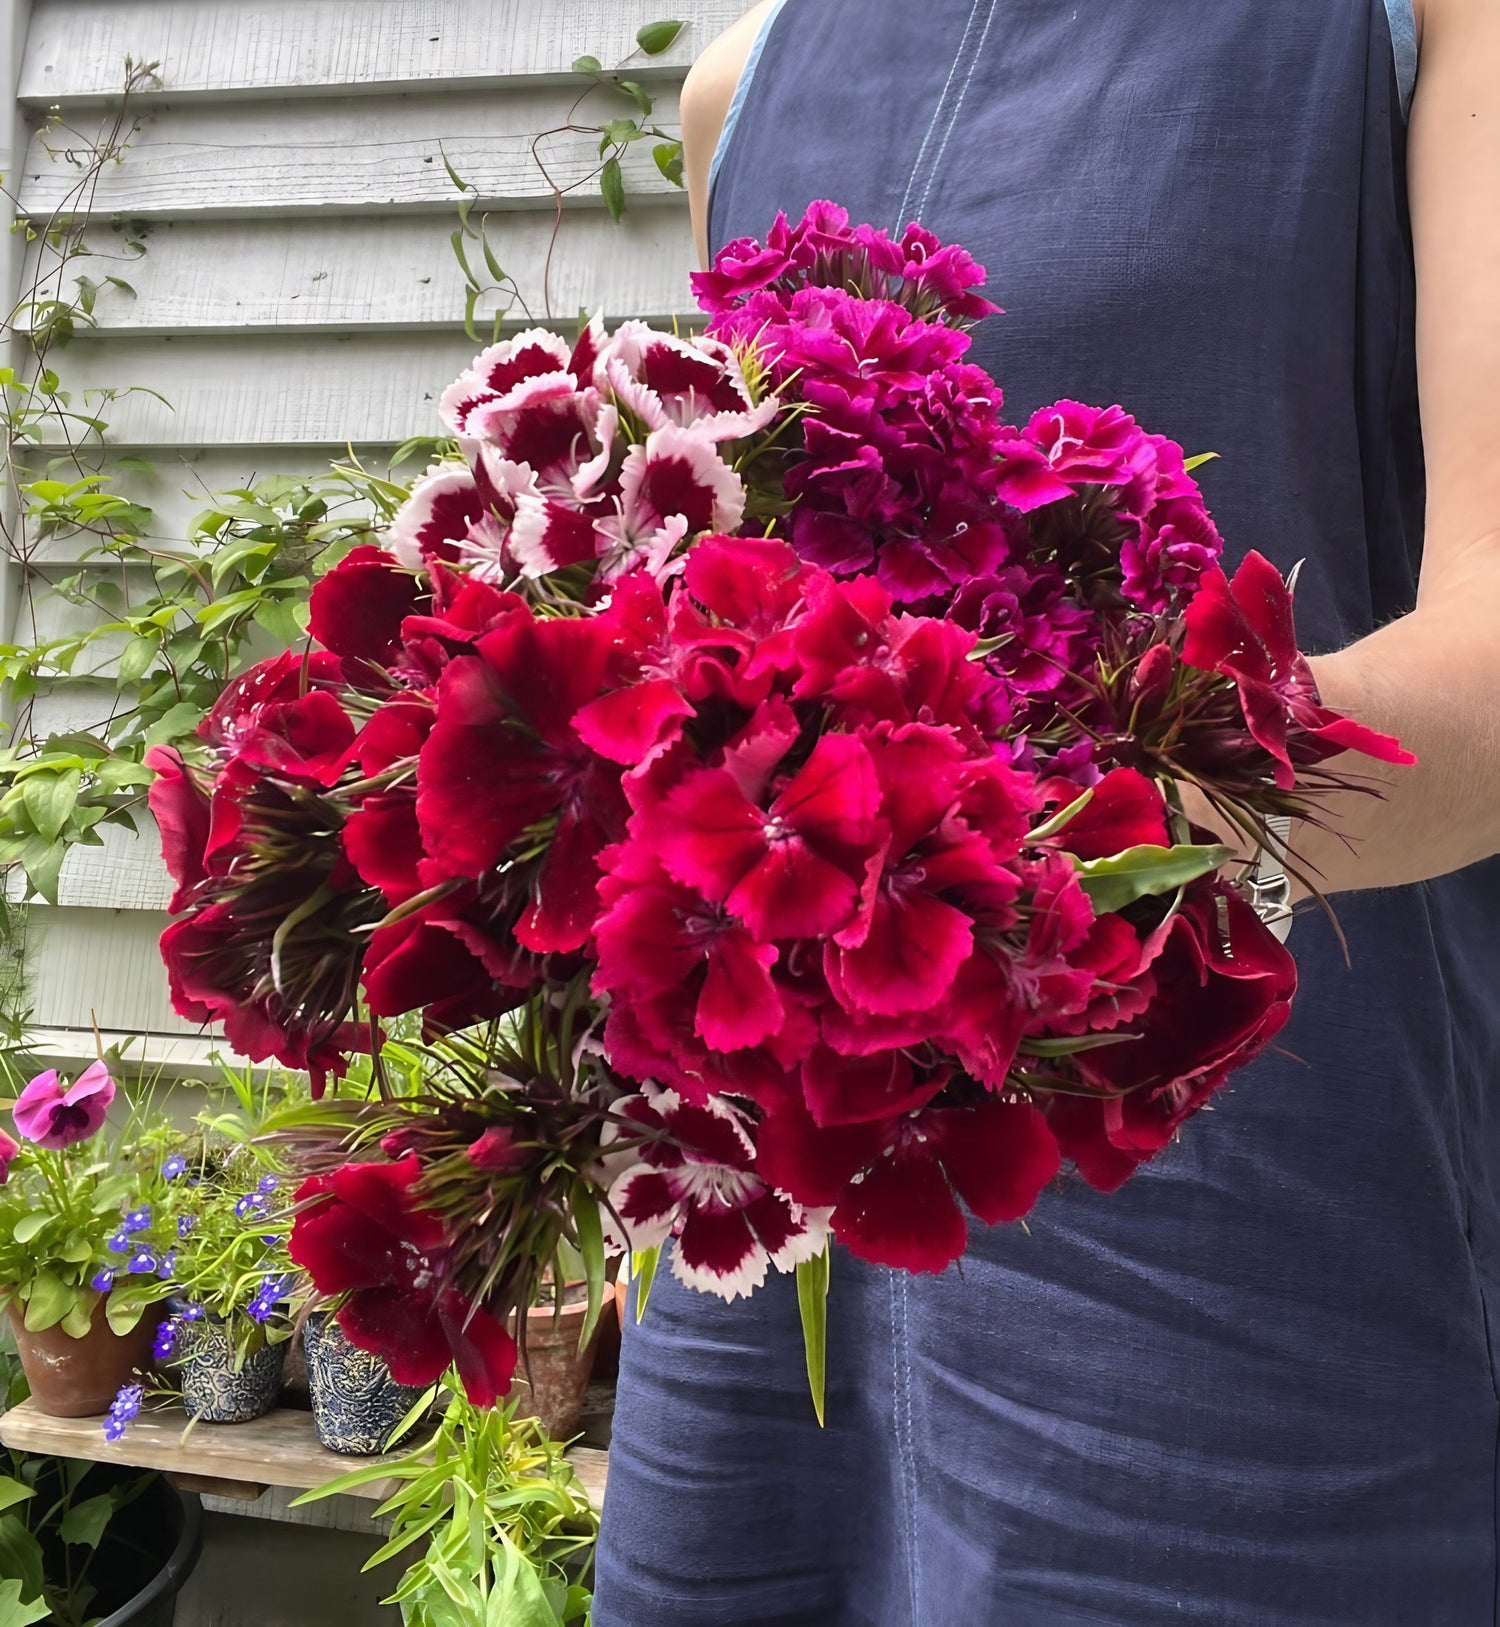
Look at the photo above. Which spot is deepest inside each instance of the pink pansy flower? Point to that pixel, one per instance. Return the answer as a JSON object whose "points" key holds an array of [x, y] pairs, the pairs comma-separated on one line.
{"points": [[54, 1114], [694, 1180]]}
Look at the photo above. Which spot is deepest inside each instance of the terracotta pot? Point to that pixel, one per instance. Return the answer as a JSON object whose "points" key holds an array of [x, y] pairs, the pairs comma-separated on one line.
{"points": [[553, 1373], [78, 1378]]}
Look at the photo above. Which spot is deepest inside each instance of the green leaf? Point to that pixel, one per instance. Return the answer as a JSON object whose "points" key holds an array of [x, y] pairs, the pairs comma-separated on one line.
{"points": [[668, 156], [50, 1301], [13, 1492], [589, 1230], [16, 1613], [1065, 1046], [812, 1301], [177, 720], [1063, 817], [43, 863], [654, 38], [636, 93], [1197, 463], [1140, 872], [612, 185], [49, 801], [589, 65], [137, 655], [78, 1321], [84, 1522], [29, 1225], [280, 619], [643, 1273], [517, 1599]]}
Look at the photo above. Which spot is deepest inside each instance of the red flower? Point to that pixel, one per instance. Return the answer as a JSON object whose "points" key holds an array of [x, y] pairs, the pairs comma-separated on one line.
{"points": [[503, 759], [358, 607], [362, 1232], [1244, 630], [1223, 987], [180, 809], [896, 1183], [788, 870], [1125, 810]]}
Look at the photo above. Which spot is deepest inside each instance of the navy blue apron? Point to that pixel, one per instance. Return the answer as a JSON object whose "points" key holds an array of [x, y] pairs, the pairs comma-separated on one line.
{"points": [[1256, 1385]]}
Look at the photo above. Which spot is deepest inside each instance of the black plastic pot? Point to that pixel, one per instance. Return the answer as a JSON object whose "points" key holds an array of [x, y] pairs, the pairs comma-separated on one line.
{"points": [[136, 1584]]}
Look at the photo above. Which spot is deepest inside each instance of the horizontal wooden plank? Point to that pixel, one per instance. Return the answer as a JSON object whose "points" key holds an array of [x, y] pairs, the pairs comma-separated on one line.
{"points": [[277, 1450], [99, 961], [365, 154], [270, 391], [376, 273], [154, 1057], [77, 48]]}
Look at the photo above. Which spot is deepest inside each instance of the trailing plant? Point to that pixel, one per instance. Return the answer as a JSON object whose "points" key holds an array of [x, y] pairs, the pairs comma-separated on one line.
{"points": [[508, 1528]]}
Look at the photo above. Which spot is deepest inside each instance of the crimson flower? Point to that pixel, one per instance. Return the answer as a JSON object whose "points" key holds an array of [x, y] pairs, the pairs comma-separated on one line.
{"points": [[895, 1184], [1222, 987], [1243, 629], [181, 811], [362, 1232], [357, 609]]}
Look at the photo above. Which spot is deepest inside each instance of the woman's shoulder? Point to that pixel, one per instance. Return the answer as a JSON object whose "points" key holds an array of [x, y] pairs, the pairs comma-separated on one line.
{"points": [[707, 94]]}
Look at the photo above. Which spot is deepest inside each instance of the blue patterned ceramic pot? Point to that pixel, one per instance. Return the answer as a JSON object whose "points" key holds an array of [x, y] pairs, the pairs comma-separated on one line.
{"points": [[356, 1404], [213, 1391]]}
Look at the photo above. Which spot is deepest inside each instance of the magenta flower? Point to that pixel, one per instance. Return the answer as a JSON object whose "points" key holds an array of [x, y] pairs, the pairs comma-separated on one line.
{"points": [[8, 1150], [52, 1114]]}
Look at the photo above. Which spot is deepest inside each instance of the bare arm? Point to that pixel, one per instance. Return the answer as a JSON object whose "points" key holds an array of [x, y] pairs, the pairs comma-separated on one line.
{"points": [[1433, 677], [706, 96]]}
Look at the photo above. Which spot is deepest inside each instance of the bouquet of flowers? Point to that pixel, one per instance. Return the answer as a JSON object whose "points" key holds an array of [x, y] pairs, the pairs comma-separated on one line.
{"points": [[771, 776]]}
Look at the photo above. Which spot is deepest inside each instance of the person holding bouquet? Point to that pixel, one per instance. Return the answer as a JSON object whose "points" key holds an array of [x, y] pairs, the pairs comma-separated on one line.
{"points": [[1255, 1385]]}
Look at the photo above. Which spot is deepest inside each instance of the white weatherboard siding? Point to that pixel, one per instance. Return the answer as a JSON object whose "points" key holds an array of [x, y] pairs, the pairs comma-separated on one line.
{"points": [[298, 292]]}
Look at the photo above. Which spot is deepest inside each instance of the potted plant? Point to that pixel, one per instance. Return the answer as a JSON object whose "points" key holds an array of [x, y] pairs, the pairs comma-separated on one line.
{"points": [[509, 1529], [79, 1327], [556, 1362], [209, 1215], [358, 1408], [215, 1220], [88, 1543]]}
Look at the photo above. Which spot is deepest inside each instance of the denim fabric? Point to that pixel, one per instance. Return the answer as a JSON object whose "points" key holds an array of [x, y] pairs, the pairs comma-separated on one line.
{"points": [[1254, 1387]]}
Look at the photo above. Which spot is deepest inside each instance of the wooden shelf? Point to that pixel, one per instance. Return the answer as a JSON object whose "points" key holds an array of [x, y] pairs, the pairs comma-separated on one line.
{"points": [[237, 1460]]}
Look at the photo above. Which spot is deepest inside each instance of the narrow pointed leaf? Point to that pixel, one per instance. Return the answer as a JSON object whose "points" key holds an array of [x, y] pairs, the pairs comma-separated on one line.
{"points": [[1142, 872], [643, 1273], [812, 1301]]}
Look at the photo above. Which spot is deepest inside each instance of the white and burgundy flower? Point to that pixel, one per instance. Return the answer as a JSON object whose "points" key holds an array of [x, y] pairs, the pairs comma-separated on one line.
{"points": [[673, 486], [663, 379], [497, 371], [692, 1178], [449, 510]]}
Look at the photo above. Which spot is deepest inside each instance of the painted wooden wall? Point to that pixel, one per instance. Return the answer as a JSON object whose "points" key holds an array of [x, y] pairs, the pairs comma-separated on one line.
{"points": [[298, 293]]}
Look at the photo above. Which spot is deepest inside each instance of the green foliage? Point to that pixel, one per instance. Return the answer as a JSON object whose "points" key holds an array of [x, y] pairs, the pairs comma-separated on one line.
{"points": [[54, 1514], [508, 1529], [1142, 872]]}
